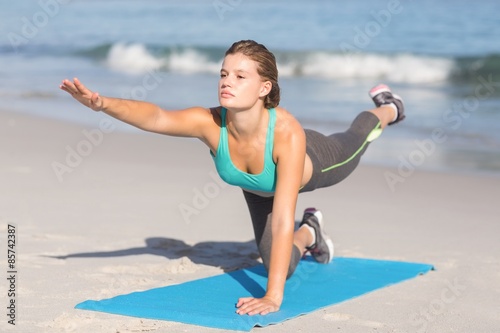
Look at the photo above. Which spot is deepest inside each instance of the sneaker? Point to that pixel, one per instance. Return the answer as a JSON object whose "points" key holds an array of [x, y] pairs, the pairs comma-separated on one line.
{"points": [[322, 249], [382, 95]]}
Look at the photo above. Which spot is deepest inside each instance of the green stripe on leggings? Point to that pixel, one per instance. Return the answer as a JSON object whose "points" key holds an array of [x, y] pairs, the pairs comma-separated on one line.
{"points": [[375, 133]]}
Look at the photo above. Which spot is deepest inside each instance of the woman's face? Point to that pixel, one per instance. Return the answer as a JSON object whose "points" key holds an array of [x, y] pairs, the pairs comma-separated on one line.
{"points": [[240, 85]]}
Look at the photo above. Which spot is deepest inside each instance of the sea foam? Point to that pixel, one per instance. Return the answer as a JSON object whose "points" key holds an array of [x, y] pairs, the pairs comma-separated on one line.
{"points": [[401, 68], [132, 59]]}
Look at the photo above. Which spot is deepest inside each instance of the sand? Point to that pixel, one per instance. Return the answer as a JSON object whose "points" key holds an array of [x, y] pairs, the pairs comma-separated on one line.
{"points": [[99, 212]]}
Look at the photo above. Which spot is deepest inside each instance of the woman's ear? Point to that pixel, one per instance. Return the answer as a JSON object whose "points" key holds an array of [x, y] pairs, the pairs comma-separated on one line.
{"points": [[265, 88]]}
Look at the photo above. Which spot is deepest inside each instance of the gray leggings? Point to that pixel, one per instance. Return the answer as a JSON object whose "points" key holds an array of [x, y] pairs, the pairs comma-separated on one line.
{"points": [[334, 157]]}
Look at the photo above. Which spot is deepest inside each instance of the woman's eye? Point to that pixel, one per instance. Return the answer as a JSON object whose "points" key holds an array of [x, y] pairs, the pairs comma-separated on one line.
{"points": [[223, 75], [240, 77]]}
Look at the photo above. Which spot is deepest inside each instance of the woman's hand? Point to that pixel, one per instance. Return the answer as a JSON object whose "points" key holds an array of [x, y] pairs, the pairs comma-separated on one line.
{"points": [[253, 306], [83, 95]]}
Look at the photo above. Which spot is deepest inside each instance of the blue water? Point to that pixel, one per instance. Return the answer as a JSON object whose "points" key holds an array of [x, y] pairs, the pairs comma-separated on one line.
{"points": [[442, 57]]}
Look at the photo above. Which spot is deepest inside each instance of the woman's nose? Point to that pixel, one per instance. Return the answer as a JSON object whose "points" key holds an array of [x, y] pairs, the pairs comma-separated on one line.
{"points": [[226, 82]]}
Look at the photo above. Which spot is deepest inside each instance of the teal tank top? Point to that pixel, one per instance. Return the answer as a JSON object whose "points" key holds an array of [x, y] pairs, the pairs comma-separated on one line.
{"points": [[264, 181]]}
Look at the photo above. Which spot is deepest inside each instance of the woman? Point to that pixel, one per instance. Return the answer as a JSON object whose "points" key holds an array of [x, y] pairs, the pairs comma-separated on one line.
{"points": [[263, 149]]}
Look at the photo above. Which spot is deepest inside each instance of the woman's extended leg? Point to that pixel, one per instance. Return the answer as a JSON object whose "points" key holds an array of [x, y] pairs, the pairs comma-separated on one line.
{"points": [[335, 157]]}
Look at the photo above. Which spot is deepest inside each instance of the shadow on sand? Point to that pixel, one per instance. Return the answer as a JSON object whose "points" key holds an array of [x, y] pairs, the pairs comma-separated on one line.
{"points": [[228, 256]]}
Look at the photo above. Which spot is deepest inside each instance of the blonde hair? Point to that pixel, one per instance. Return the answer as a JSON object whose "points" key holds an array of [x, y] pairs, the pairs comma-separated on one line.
{"points": [[266, 66]]}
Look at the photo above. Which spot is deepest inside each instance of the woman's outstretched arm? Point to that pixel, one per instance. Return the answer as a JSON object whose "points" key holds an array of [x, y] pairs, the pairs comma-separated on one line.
{"points": [[144, 115]]}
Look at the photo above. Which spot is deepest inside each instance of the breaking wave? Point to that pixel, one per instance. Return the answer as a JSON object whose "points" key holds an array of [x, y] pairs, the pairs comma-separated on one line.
{"points": [[331, 65]]}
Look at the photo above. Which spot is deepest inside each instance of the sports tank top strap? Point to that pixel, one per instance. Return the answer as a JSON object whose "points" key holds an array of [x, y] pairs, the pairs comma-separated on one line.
{"points": [[223, 140], [270, 132], [223, 112]]}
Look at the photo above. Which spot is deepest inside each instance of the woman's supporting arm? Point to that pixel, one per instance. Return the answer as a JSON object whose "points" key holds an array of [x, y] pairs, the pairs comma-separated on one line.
{"points": [[291, 150]]}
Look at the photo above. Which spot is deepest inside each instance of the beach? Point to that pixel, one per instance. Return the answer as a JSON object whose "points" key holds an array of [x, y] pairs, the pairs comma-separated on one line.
{"points": [[91, 208], [99, 212]]}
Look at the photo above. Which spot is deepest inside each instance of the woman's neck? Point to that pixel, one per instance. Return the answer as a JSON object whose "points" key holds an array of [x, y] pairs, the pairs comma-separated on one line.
{"points": [[245, 124]]}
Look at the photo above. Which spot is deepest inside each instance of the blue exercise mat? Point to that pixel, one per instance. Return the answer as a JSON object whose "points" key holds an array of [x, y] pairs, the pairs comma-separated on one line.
{"points": [[211, 301]]}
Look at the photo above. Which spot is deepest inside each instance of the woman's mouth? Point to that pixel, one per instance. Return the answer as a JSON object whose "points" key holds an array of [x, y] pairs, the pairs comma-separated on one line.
{"points": [[226, 94]]}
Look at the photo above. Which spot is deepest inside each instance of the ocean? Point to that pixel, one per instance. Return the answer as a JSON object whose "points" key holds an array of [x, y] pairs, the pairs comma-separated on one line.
{"points": [[442, 57]]}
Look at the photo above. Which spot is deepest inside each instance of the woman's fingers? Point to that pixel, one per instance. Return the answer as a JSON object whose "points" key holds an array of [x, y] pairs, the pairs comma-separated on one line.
{"points": [[80, 88], [75, 87], [253, 306], [243, 300], [79, 92], [68, 86]]}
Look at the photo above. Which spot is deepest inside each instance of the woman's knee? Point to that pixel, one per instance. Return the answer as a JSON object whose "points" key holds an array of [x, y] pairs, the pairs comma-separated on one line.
{"points": [[294, 260]]}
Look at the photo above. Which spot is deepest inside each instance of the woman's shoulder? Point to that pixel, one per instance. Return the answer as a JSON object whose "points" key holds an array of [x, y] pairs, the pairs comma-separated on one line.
{"points": [[203, 112], [284, 113], [201, 116], [286, 120], [287, 129]]}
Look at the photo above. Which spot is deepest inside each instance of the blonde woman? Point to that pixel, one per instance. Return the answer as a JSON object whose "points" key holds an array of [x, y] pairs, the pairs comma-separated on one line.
{"points": [[262, 148]]}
